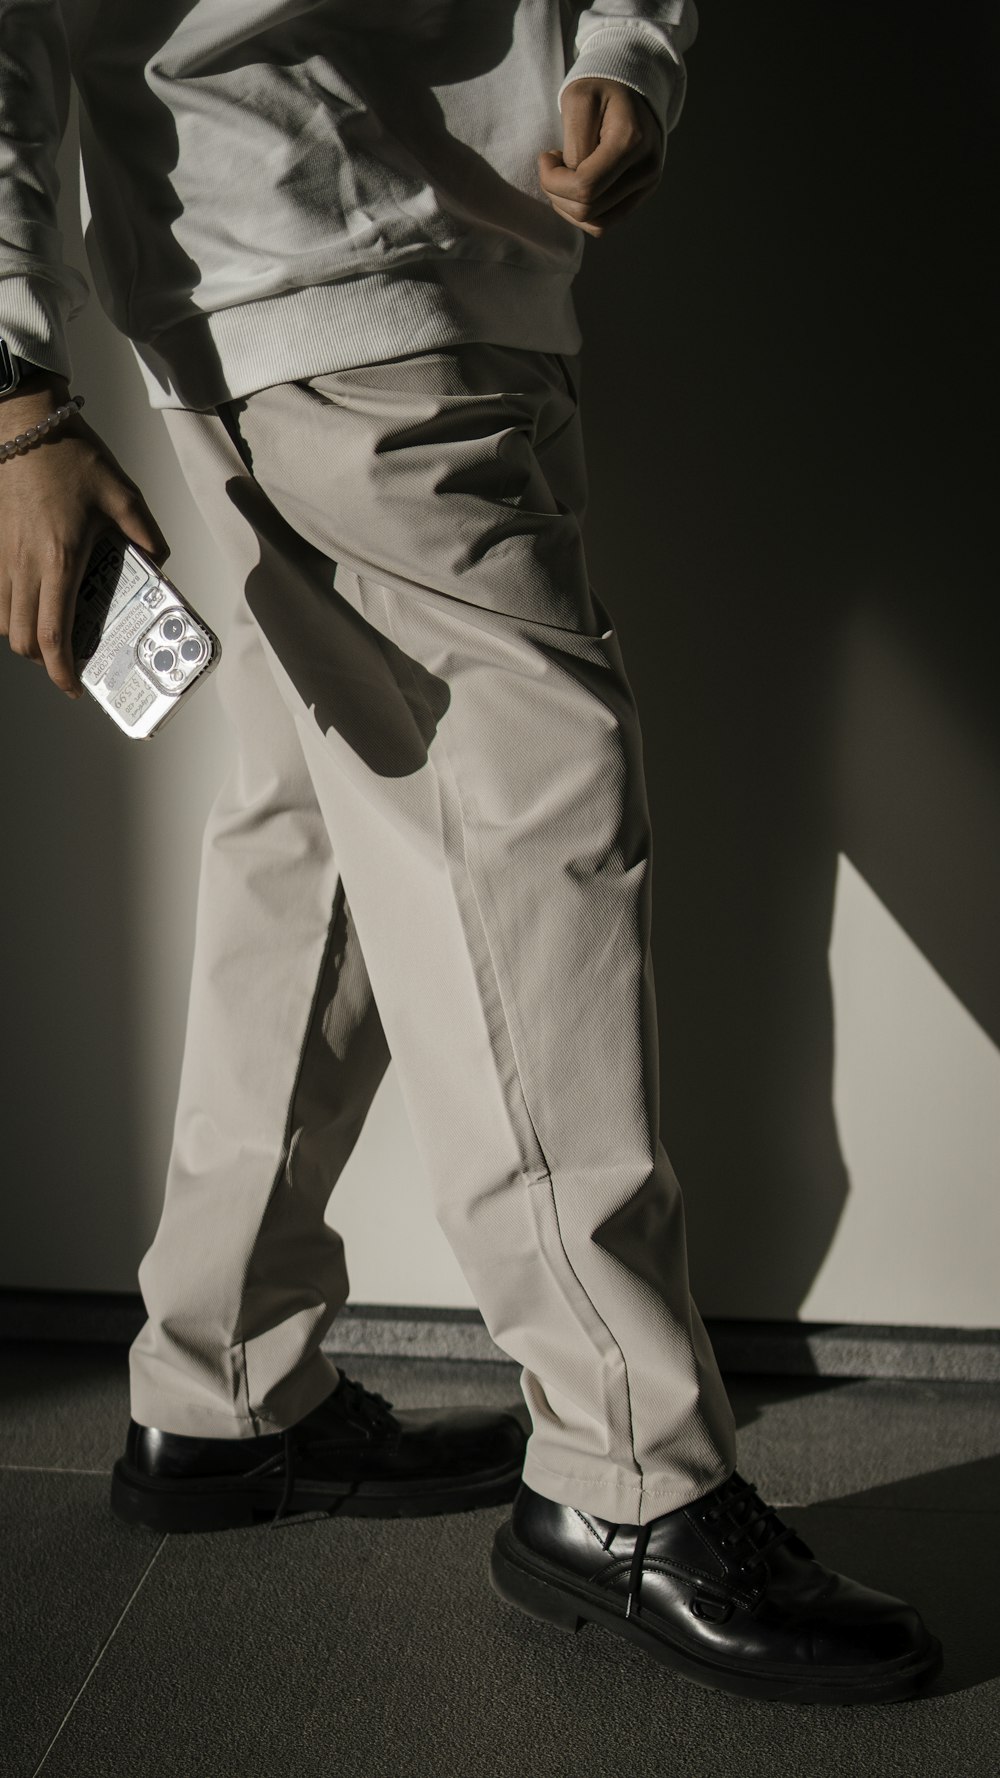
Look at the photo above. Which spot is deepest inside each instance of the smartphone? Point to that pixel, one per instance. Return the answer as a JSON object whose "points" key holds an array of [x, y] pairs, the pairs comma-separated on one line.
{"points": [[138, 646]]}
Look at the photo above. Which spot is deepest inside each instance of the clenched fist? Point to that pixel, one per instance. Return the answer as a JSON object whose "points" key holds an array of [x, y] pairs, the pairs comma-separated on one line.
{"points": [[611, 155]]}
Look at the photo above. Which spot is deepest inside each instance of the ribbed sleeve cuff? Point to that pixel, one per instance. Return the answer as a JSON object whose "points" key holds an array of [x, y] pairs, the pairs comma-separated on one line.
{"points": [[635, 54], [31, 322]]}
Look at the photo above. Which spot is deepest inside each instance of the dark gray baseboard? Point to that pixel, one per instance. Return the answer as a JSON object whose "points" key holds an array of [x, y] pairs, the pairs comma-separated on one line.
{"points": [[769, 1348]]}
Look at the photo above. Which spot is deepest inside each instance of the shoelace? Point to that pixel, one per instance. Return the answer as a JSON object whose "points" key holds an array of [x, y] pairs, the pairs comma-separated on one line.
{"points": [[730, 1496], [361, 1404], [365, 1404], [635, 1569], [736, 1493]]}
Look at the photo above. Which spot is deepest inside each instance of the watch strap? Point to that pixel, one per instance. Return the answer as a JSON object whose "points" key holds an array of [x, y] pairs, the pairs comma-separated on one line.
{"points": [[13, 368]]}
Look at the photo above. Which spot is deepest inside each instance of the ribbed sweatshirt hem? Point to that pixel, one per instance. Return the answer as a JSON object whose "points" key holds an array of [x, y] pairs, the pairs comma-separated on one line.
{"points": [[308, 332]]}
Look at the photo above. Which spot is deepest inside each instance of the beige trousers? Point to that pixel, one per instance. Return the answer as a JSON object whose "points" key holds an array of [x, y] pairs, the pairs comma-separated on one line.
{"points": [[434, 844]]}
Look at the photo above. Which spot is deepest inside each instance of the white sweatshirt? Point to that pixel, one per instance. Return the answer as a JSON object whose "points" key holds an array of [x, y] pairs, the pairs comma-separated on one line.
{"points": [[281, 188]]}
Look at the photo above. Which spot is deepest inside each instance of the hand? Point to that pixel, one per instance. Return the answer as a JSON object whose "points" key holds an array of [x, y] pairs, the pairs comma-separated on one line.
{"points": [[54, 500], [611, 155]]}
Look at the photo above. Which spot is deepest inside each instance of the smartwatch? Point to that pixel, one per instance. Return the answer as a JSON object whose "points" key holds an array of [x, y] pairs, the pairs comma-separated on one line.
{"points": [[12, 368]]}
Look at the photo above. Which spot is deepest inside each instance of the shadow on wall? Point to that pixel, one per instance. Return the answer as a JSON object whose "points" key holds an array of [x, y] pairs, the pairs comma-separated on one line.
{"points": [[794, 540]]}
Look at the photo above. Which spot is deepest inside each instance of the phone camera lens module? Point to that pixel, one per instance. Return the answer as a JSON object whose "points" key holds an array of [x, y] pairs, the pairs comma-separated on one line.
{"points": [[163, 660], [192, 649], [172, 629]]}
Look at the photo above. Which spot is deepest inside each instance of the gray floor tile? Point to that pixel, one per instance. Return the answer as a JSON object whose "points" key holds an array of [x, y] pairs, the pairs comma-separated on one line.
{"points": [[332, 1648], [816, 1440], [69, 1570]]}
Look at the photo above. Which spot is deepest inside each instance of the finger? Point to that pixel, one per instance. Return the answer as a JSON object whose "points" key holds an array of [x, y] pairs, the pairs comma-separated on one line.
{"points": [[56, 606], [591, 178], [631, 202], [22, 634], [61, 580], [608, 217], [636, 179], [125, 505], [581, 114]]}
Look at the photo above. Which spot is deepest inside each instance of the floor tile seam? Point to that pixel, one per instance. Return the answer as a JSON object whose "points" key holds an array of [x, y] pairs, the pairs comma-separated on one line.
{"points": [[847, 1506], [102, 1651], [49, 1469]]}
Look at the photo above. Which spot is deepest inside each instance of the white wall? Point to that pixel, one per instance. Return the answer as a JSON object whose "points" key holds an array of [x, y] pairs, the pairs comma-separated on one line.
{"points": [[831, 1102]]}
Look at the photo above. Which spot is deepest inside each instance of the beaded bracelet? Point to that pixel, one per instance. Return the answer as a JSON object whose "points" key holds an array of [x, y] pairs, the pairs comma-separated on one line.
{"points": [[15, 447]]}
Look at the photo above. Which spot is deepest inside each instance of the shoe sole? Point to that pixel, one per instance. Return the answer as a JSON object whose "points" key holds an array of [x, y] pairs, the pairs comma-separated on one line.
{"points": [[211, 1504], [523, 1580]]}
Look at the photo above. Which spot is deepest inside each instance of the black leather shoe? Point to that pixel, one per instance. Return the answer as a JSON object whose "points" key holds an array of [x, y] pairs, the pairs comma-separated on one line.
{"points": [[354, 1454], [722, 1591]]}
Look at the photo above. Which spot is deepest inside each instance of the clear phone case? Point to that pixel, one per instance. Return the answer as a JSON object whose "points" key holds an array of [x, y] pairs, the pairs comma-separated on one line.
{"points": [[139, 647]]}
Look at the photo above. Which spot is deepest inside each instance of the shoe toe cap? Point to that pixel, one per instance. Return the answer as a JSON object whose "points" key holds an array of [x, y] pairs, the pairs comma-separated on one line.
{"points": [[861, 1627]]}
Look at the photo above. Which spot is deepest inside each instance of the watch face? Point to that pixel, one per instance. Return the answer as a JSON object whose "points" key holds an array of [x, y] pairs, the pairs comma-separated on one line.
{"points": [[8, 376]]}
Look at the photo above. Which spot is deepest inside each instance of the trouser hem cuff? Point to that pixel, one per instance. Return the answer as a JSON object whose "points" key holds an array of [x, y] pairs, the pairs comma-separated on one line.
{"points": [[626, 1500], [293, 1398]]}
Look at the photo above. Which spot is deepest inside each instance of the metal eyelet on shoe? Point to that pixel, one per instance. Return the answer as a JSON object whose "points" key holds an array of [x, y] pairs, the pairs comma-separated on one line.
{"points": [[714, 1611]]}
